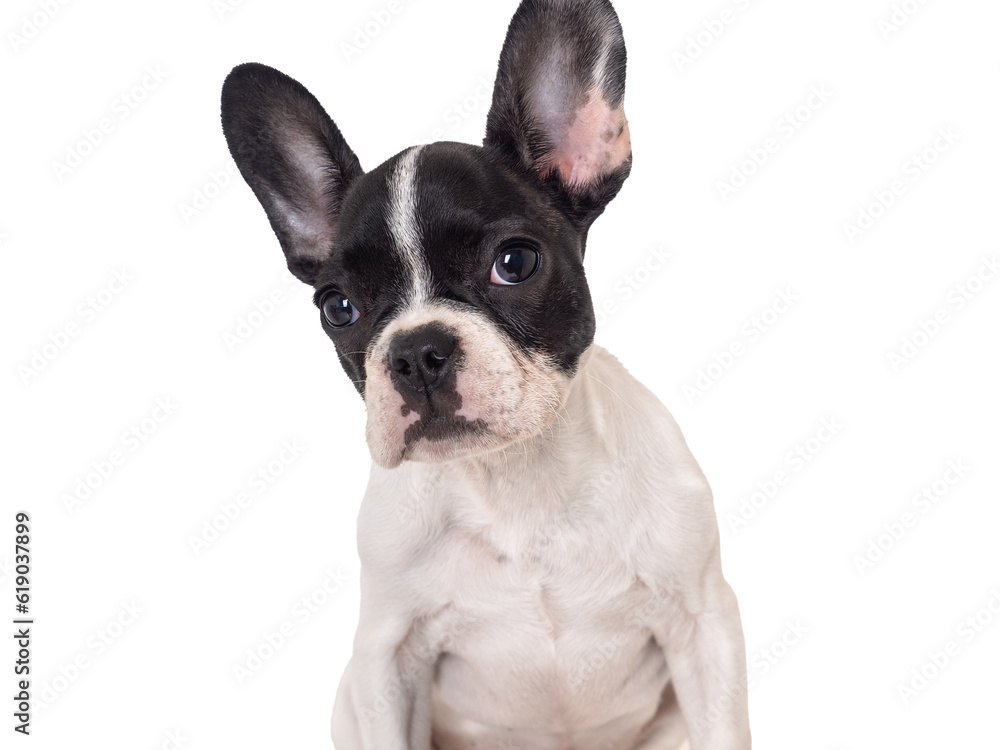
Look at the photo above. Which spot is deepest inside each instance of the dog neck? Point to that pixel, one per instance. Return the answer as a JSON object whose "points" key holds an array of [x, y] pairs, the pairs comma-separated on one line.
{"points": [[545, 471]]}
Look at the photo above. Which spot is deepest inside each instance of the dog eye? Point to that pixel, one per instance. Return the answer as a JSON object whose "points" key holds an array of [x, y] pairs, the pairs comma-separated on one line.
{"points": [[514, 265], [338, 310]]}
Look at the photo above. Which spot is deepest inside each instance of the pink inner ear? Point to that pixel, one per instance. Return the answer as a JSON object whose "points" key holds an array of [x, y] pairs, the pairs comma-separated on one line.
{"points": [[597, 143]]}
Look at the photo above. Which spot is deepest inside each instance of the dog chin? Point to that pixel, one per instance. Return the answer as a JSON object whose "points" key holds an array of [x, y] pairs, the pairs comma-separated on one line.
{"points": [[441, 440]]}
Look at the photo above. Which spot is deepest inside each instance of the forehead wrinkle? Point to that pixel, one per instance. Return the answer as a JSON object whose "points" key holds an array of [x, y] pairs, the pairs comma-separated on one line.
{"points": [[403, 226]]}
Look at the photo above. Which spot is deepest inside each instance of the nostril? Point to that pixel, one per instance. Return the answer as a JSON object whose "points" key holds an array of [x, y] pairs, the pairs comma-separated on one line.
{"points": [[401, 366], [434, 361]]}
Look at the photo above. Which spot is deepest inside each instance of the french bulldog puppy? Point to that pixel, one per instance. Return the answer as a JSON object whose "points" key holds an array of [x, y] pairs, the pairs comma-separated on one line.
{"points": [[539, 549]]}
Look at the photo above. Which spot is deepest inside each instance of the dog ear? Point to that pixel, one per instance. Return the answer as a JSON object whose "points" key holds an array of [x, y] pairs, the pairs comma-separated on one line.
{"points": [[558, 103], [293, 157]]}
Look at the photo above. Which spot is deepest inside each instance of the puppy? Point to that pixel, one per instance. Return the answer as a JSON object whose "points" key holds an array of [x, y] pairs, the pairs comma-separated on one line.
{"points": [[539, 549]]}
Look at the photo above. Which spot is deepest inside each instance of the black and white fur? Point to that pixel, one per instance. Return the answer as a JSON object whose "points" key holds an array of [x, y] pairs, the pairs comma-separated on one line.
{"points": [[540, 553]]}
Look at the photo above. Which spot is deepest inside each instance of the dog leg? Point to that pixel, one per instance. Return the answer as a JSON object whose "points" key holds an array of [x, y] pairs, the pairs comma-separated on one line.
{"points": [[345, 729], [705, 652], [384, 698], [667, 729]]}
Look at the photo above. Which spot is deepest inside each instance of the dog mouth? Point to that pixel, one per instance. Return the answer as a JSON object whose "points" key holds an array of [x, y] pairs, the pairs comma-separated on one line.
{"points": [[442, 428]]}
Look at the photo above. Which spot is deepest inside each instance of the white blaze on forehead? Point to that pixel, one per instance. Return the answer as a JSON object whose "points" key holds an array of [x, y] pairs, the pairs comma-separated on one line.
{"points": [[403, 224]]}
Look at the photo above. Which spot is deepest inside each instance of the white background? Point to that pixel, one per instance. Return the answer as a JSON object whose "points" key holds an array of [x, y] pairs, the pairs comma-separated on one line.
{"points": [[146, 201]]}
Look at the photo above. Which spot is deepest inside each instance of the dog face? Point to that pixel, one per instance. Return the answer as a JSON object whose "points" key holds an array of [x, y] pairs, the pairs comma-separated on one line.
{"points": [[450, 278]]}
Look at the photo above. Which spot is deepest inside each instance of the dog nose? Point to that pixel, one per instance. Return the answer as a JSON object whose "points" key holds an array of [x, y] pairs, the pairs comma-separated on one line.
{"points": [[421, 359]]}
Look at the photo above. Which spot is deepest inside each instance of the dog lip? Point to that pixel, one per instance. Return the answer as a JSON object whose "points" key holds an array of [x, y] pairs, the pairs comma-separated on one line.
{"points": [[439, 429]]}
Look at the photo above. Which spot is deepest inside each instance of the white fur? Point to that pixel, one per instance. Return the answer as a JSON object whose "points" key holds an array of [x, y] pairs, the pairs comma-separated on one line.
{"points": [[403, 224], [551, 595]]}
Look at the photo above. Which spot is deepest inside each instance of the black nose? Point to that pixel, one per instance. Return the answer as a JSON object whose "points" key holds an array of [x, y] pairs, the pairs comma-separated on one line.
{"points": [[422, 359]]}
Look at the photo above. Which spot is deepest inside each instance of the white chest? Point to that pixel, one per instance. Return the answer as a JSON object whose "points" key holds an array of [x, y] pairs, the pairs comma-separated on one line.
{"points": [[541, 624]]}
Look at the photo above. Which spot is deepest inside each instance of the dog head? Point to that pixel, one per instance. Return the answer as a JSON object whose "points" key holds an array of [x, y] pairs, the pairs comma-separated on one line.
{"points": [[450, 278]]}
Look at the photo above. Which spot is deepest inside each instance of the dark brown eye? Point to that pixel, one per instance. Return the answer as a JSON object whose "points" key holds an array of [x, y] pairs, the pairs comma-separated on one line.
{"points": [[338, 310], [515, 264]]}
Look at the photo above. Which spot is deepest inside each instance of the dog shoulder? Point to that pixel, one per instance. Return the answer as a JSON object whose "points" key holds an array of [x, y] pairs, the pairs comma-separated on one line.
{"points": [[674, 524], [398, 518], [637, 424]]}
